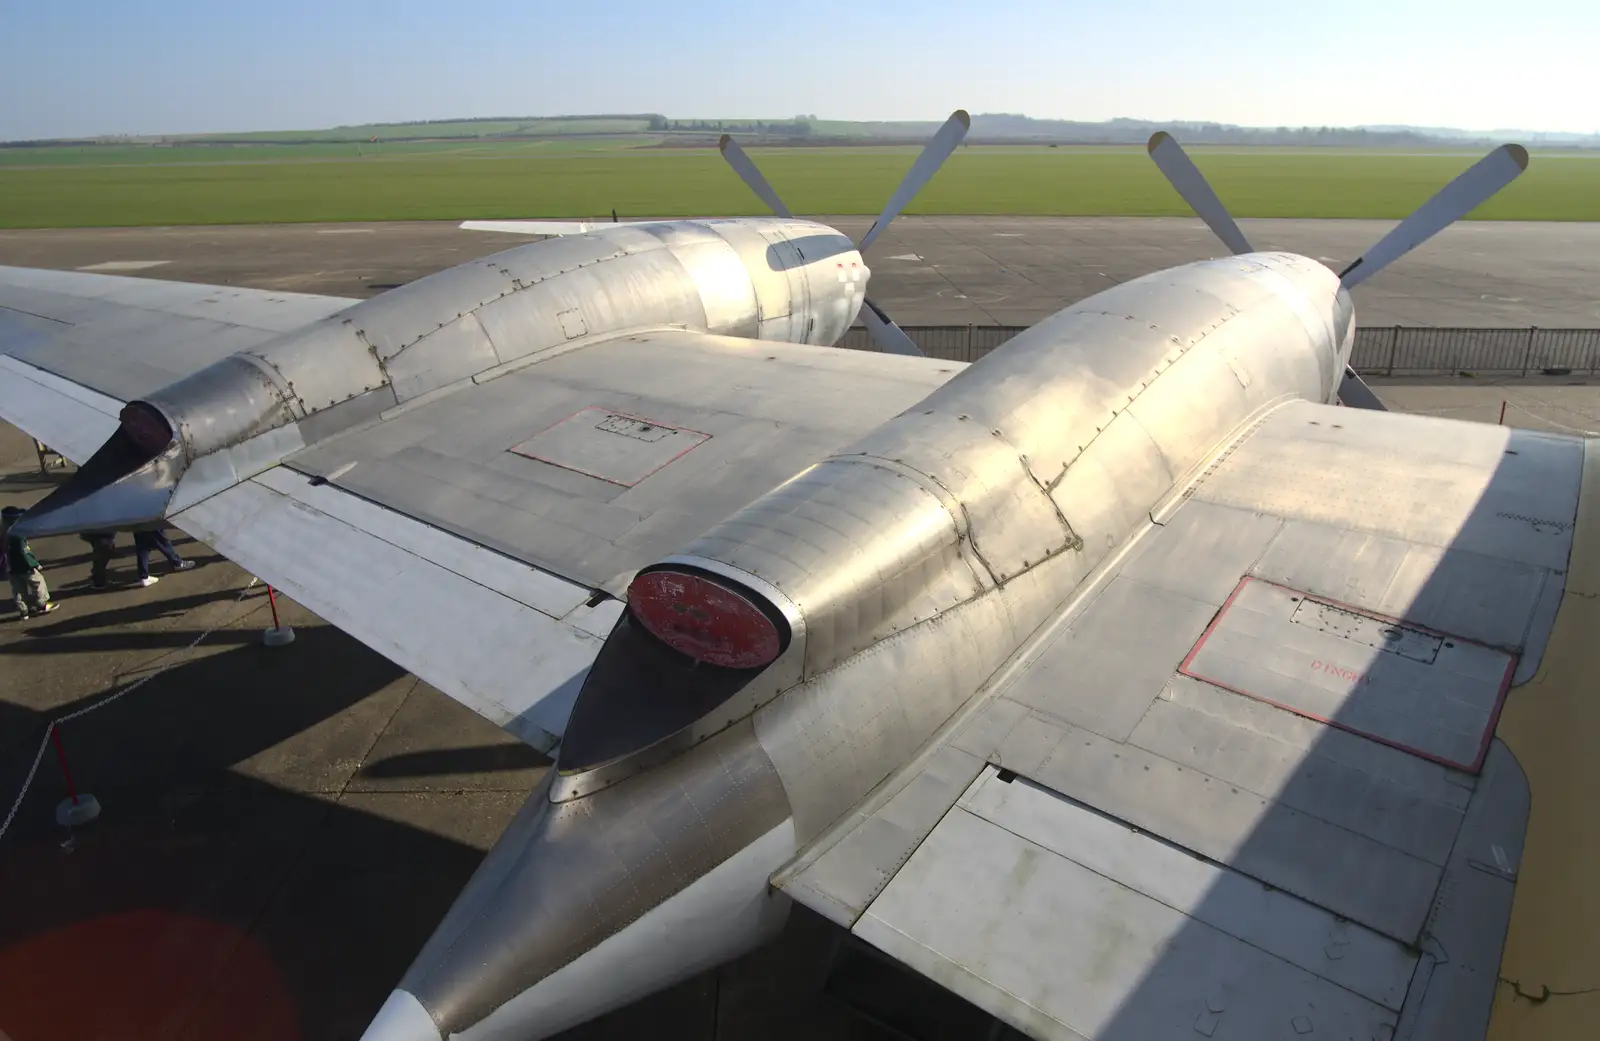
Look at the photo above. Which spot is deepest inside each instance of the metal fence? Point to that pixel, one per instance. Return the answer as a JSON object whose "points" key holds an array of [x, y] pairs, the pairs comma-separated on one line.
{"points": [[1383, 350], [1411, 351]]}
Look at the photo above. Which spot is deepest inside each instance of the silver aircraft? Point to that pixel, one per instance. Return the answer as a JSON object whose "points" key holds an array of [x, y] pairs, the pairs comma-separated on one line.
{"points": [[1119, 682]]}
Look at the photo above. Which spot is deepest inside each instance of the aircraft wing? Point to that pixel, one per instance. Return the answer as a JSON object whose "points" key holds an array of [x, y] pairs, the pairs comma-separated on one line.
{"points": [[553, 228], [75, 346], [479, 539], [1248, 784]]}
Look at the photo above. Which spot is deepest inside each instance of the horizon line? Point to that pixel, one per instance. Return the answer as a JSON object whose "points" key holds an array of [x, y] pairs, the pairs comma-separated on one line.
{"points": [[1393, 128]]}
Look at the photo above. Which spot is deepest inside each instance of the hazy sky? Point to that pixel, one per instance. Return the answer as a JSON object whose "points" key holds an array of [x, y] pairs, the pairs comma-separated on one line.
{"points": [[174, 66]]}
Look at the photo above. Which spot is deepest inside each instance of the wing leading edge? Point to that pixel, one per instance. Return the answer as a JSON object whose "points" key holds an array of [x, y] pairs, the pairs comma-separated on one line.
{"points": [[551, 228], [1247, 784], [74, 346]]}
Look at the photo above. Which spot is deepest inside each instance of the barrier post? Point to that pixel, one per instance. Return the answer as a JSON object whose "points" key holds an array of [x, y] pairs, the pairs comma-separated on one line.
{"points": [[75, 809], [1502, 419], [1527, 354], [279, 635]]}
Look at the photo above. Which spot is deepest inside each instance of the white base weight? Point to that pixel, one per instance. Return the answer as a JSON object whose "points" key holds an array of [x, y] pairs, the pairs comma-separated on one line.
{"points": [[280, 637], [71, 814]]}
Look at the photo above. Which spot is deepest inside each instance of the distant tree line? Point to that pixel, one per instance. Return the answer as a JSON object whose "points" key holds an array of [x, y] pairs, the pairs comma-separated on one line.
{"points": [[799, 126], [1011, 127], [642, 116]]}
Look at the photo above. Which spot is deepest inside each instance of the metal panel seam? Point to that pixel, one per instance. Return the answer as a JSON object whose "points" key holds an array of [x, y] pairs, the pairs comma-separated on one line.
{"points": [[953, 505], [965, 970], [1494, 713], [870, 804], [442, 531]]}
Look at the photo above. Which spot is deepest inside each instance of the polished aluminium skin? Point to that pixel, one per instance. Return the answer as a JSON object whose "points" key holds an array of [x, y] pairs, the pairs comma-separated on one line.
{"points": [[908, 568], [760, 278], [757, 278]]}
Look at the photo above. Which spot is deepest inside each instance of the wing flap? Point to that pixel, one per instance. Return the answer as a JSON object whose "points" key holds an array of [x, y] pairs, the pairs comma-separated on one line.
{"points": [[839, 876], [1257, 832], [506, 640], [1086, 902]]}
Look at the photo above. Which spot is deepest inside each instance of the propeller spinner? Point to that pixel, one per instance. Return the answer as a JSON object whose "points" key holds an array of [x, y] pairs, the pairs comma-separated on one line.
{"points": [[1455, 200], [884, 332]]}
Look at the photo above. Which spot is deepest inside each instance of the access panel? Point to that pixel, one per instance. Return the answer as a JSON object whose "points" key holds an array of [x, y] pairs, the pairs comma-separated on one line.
{"points": [[1427, 692]]}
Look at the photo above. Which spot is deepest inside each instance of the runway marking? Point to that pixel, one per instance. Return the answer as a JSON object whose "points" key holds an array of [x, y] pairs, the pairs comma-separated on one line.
{"points": [[906, 256], [124, 265], [344, 231]]}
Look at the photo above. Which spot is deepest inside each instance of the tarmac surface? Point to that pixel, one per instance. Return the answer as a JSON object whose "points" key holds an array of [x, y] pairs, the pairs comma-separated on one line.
{"points": [[925, 270], [283, 828]]}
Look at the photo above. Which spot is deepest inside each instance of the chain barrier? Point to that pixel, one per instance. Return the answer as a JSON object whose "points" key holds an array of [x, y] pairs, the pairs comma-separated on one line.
{"points": [[50, 728], [1541, 417]]}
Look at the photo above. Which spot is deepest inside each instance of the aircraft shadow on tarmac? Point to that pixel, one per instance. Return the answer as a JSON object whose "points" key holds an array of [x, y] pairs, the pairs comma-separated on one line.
{"points": [[249, 877], [477, 759], [32, 480]]}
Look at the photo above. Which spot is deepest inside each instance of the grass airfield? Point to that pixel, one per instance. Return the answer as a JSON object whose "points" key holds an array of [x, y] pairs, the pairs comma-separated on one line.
{"points": [[112, 186]]}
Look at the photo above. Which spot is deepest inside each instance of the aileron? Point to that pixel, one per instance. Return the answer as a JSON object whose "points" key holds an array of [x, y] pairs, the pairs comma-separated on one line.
{"points": [[1051, 916]]}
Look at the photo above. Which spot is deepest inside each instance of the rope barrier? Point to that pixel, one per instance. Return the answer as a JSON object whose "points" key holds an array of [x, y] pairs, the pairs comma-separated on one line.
{"points": [[49, 730], [1545, 419]]}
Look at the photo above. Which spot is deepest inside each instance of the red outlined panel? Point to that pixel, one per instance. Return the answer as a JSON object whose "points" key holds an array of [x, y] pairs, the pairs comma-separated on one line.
{"points": [[611, 445], [1433, 694]]}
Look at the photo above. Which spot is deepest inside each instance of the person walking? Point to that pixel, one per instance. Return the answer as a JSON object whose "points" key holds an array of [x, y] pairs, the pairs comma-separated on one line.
{"points": [[155, 539], [102, 547], [28, 589]]}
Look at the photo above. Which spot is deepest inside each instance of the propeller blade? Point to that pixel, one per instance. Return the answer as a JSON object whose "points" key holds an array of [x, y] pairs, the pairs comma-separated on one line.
{"points": [[1355, 393], [750, 175], [938, 149], [1454, 201], [890, 338], [1180, 170]]}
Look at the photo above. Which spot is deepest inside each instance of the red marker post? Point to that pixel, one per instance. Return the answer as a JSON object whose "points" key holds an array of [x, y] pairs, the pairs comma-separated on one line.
{"points": [[279, 635], [75, 809]]}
